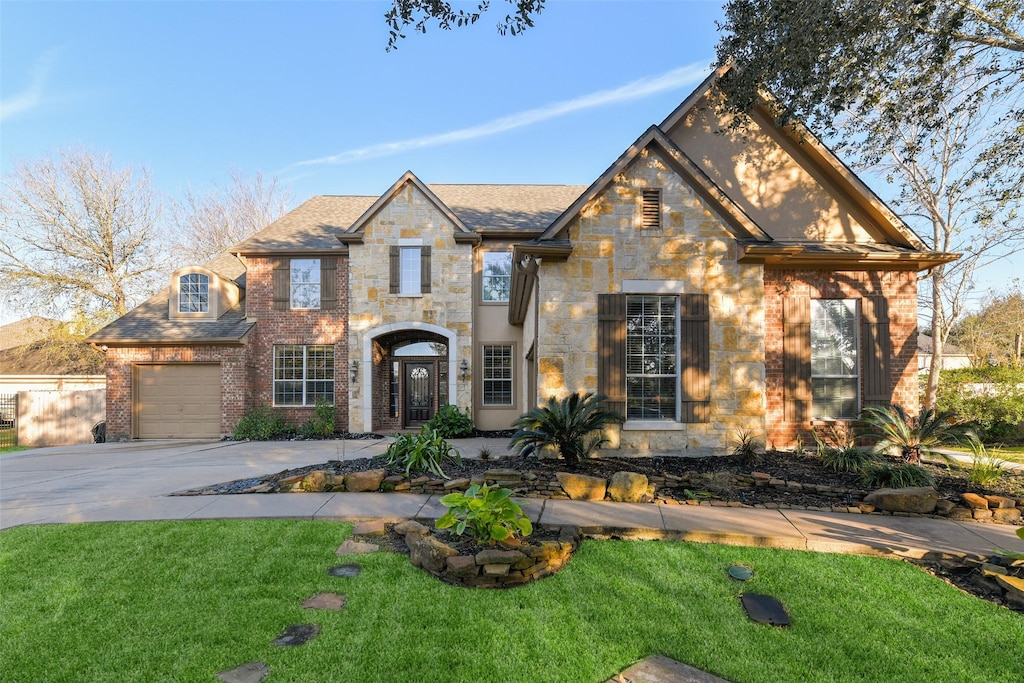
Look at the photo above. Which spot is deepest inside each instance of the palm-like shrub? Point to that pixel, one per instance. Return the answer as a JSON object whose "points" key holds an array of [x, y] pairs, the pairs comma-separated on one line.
{"points": [[574, 424], [893, 429]]}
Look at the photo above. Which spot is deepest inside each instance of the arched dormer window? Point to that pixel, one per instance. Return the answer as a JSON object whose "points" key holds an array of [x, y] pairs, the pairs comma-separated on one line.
{"points": [[194, 293]]}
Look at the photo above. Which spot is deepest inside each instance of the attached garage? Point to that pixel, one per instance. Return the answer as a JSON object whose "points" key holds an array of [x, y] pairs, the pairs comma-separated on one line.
{"points": [[178, 401]]}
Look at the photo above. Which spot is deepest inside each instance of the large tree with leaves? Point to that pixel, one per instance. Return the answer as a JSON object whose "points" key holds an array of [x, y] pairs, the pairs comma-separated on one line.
{"points": [[79, 236], [419, 13], [990, 333]]}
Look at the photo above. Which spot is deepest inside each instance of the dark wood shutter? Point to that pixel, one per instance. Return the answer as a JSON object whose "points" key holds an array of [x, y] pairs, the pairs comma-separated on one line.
{"points": [[695, 358], [328, 283], [611, 350], [796, 358], [876, 346], [282, 284], [425, 270], [395, 269]]}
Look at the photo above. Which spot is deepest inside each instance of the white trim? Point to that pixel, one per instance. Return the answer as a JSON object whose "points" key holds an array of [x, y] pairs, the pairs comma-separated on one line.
{"points": [[366, 362], [652, 426], [653, 287]]}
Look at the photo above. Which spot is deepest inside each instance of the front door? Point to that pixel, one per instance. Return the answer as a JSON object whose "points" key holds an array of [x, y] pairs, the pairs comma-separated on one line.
{"points": [[419, 393]]}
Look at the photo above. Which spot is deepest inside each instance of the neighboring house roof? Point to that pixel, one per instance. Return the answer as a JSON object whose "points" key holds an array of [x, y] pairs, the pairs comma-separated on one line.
{"points": [[37, 359], [925, 344], [25, 331]]}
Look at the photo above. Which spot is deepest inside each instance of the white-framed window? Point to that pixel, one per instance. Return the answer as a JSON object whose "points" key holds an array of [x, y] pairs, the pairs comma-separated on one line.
{"points": [[410, 271], [496, 277], [303, 374], [652, 357], [835, 368], [194, 293], [497, 375], [305, 283]]}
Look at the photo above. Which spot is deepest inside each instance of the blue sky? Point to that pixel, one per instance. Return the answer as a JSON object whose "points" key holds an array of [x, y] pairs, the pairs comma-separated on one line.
{"points": [[305, 91]]}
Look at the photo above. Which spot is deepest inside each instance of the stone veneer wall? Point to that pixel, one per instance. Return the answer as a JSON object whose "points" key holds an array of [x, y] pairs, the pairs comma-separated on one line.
{"points": [[692, 248], [449, 305], [296, 327], [120, 381], [898, 287]]}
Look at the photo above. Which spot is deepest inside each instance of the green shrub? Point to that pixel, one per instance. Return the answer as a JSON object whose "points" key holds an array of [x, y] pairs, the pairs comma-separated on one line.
{"points": [[261, 424], [846, 459], [747, 449], [422, 452], [898, 476], [996, 412], [891, 428], [322, 422], [489, 513], [451, 423], [574, 425], [986, 467]]}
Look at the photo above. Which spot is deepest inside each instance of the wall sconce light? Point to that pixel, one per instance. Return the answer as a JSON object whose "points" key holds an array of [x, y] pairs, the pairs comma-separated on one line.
{"points": [[355, 370], [464, 367]]}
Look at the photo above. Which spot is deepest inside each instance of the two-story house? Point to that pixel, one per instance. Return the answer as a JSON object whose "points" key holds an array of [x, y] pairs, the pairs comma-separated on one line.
{"points": [[707, 282]]}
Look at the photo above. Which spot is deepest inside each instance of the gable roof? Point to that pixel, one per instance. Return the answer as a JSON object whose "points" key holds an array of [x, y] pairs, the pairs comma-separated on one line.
{"points": [[313, 226]]}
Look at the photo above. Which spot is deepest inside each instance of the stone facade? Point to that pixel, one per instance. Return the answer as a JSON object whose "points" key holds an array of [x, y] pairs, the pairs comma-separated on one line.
{"points": [[446, 312], [692, 252]]}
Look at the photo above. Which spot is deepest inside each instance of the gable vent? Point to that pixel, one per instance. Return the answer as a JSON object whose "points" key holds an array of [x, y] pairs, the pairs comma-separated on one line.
{"points": [[650, 211]]}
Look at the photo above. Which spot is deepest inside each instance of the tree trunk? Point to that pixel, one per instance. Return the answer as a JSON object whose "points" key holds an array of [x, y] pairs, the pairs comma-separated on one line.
{"points": [[938, 337]]}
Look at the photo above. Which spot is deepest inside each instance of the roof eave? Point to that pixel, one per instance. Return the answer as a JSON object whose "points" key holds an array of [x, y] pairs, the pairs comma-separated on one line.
{"points": [[791, 256]]}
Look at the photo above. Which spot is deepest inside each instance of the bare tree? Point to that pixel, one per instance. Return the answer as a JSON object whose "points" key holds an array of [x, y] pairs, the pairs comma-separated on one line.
{"points": [[79, 236], [206, 225], [961, 183]]}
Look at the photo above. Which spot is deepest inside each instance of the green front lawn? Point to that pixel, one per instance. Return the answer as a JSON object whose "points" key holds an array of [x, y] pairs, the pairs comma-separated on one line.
{"points": [[1011, 453], [180, 601]]}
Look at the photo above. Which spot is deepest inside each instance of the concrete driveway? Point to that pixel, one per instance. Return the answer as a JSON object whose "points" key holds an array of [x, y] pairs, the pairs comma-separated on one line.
{"points": [[79, 483]]}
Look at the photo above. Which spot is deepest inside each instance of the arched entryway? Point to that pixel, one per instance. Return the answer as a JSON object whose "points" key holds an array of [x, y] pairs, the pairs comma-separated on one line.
{"points": [[411, 373]]}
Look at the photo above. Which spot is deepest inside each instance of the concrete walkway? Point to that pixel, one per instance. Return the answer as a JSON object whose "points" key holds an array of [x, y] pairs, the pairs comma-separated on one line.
{"points": [[131, 482]]}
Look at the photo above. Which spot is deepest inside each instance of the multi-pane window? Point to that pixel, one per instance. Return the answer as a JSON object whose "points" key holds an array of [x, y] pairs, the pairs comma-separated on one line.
{"points": [[652, 352], [497, 275], [194, 293], [303, 375], [497, 374], [410, 271], [834, 365], [305, 283]]}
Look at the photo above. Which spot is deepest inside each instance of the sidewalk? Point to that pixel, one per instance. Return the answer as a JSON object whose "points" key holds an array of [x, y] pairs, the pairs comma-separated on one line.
{"points": [[130, 482]]}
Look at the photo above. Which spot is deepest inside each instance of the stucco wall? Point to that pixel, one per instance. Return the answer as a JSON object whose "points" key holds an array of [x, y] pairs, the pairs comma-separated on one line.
{"points": [[695, 254]]}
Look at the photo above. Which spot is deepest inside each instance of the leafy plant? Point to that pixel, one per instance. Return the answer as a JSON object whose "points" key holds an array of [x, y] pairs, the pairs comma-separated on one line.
{"points": [[451, 423], [893, 428], [489, 513], [573, 424], [422, 452], [747, 448], [990, 398], [846, 459], [322, 422], [485, 453], [261, 424], [986, 467], [895, 476]]}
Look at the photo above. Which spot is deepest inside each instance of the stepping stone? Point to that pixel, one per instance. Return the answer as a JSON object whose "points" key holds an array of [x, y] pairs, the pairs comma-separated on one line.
{"points": [[299, 634], [333, 601], [253, 672], [351, 547], [347, 571], [659, 669], [764, 609], [741, 573]]}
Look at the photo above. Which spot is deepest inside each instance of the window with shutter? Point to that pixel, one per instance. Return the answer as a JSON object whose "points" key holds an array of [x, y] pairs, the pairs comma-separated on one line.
{"points": [[835, 367]]}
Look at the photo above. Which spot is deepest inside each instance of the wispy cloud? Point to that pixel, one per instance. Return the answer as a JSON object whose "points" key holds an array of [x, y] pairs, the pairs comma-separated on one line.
{"points": [[32, 96], [671, 80]]}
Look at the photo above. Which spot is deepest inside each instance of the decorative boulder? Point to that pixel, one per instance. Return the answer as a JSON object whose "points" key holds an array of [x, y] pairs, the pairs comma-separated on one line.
{"points": [[628, 487], [370, 480], [920, 499], [974, 501], [582, 487], [319, 480], [429, 553]]}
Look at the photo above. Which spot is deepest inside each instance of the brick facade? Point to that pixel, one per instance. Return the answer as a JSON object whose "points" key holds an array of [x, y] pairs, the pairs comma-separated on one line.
{"points": [[899, 289]]}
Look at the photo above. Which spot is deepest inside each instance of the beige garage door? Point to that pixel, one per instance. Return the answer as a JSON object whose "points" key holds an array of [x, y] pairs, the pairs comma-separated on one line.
{"points": [[177, 401]]}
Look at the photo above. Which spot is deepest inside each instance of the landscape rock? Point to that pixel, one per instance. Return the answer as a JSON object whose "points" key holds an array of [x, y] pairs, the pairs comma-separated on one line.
{"points": [[370, 480], [253, 672], [944, 507], [628, 487], [974, 501], [462, 566], [331, 601], [996, 502], [1006, 515], [410, 527], [429, 553], [350, 547], [920, 499], [1014, 587], [374, 527], [318, 481], [581, 486]]}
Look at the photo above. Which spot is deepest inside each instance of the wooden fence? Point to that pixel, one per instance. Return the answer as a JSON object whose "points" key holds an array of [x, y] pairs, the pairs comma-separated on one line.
{"points": [[59, 418]]}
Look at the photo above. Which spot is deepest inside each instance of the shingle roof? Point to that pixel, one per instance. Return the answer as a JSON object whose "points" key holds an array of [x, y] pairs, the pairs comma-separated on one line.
{"points": [[312, 226], [507, 207], [149, 323]]}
